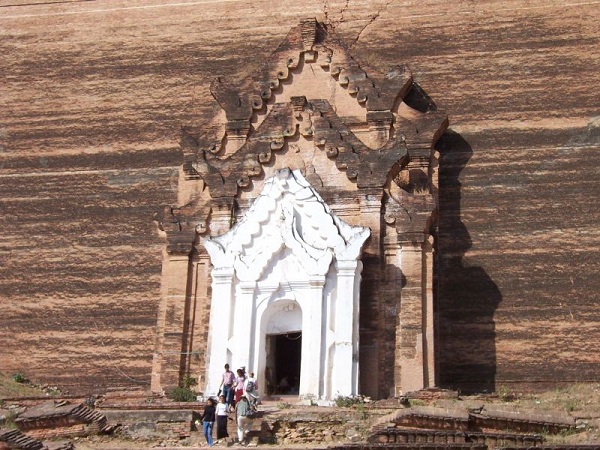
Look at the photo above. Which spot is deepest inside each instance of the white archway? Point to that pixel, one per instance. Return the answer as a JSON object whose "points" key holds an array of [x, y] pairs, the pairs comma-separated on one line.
{"points": [[280, 316], [291, 248]]}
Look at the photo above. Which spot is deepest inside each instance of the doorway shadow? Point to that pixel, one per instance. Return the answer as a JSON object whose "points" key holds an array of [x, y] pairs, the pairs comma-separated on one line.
{"points": [[466, 297]]}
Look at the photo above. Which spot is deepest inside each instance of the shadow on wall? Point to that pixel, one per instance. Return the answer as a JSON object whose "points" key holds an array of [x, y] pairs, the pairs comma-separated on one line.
{"points": [[466, 297]]}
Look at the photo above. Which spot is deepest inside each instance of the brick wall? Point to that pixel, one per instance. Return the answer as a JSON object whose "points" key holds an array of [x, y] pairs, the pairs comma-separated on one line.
{"points": [[94, 98]]}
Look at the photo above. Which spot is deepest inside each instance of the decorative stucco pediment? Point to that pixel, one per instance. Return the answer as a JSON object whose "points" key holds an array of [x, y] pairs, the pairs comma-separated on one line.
{"points": [[334, 127], [290, 214], [281, 117], [318, 120]]}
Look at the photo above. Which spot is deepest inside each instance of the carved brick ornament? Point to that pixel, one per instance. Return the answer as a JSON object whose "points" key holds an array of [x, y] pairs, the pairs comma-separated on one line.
{"points": [[366, 154]]}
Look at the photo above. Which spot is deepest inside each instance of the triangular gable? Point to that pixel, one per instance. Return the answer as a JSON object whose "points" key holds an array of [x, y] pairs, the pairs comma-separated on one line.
{"points": [[379, 93], [406, 135], [288, 213]]}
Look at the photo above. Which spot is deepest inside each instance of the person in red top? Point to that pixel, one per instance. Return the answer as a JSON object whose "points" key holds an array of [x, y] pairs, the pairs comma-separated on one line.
{"points": [[239, 385], [227, 385]]}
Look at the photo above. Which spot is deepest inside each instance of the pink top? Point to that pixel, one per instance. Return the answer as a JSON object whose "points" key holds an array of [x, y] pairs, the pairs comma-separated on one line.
{"points": [[240, 383], [228, 378]]}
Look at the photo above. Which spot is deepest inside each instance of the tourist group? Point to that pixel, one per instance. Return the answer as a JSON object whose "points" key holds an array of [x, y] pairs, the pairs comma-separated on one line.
{"points": [[238, 395]]}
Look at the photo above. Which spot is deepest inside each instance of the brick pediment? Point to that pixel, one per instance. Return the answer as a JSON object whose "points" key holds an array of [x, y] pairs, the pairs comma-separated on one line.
{"points": [[316, 119], [260, 127], [314, 168], [312, 42]]}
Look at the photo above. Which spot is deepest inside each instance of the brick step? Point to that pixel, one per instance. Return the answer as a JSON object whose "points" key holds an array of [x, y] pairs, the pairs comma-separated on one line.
{"points": [[557, 447], [414, 446], [89, 415], [482, 419], [60, 445], [17, 440], [501, 420], [429, 446], [412, 435]]}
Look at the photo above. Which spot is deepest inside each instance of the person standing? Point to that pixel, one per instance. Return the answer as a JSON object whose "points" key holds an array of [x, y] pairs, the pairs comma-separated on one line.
{"points": [[242, 408], [208, 420], [221, 411], [251, 381], [240, 382], [251, 390], [227, 385]]}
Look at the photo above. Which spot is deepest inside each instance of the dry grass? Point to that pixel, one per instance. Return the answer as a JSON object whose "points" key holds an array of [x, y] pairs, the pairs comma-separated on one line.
{"points": [[11, 389], [580, 401]]}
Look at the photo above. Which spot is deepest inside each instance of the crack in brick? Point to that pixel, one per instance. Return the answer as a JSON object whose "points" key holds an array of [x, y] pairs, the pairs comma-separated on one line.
{"points": [[374, 17], [343, 10], [332, 22]]}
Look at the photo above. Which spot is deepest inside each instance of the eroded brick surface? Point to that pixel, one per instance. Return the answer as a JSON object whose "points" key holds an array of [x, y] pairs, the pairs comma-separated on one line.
{"points": [[93, 99]]}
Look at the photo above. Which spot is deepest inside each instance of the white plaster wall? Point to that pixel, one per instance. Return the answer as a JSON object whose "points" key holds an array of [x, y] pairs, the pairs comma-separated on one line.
{"points": [[289, 265]]}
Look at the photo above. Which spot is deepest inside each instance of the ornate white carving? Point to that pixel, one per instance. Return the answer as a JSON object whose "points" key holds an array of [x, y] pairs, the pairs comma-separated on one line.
{"points": [[282, 252], [288, 213]]}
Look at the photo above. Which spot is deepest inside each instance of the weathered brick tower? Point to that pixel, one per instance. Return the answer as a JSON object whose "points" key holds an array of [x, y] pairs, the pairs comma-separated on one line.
{"points": [[94, 98], [302, 244]]}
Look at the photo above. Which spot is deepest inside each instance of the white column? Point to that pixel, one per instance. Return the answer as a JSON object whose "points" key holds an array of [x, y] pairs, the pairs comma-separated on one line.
{"points": [[355, 327], [244, 325], [311, 370], [344, 382], [220, 310]]}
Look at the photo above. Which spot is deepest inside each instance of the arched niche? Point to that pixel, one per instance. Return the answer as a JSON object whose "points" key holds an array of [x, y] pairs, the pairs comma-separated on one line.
{"points": [[280, 321]]}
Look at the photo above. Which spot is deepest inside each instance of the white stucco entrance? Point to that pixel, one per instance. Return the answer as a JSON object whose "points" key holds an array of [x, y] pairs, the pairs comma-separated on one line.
{"points": [[290, 265]]}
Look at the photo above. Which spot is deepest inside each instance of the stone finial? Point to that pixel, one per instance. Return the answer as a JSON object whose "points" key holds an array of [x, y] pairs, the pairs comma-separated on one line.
{"points": [[237, 105], [308, 30]]}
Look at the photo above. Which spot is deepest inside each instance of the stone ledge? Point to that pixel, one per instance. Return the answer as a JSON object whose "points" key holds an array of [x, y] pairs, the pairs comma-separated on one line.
{"points": [[554, 419]]}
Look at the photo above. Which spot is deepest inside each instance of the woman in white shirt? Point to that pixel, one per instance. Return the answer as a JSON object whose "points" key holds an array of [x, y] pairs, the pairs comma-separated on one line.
{"points": [[221, 413]]}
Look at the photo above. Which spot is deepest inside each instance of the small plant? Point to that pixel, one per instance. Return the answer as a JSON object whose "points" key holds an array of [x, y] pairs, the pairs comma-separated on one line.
{"points": [[566, 432], [416, 402], [362, 412], [345, 401], [189, 382], [284, 405], [183, 394], [505, 394], [90, 402], [9, 420], [572, 405], [19, 378]]}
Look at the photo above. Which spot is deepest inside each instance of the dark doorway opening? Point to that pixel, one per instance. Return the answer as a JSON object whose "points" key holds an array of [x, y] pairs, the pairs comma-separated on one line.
{"points": [[286, 353]]}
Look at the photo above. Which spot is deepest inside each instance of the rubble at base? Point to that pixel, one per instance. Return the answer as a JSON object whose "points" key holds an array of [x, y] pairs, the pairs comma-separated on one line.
{"points": [[136, 421]]}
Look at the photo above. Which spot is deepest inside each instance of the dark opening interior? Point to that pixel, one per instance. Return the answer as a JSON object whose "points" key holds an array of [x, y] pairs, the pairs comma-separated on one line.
{"points": [[287, 362]]}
